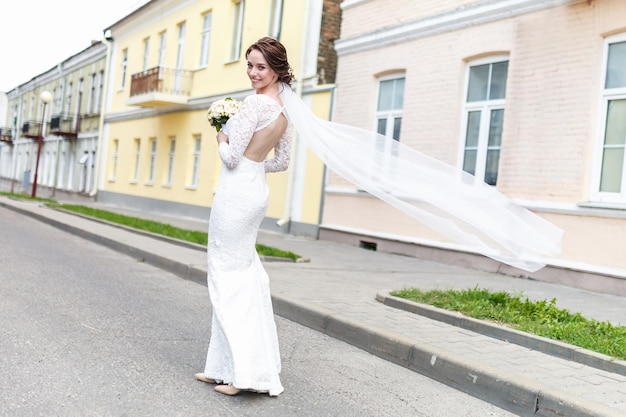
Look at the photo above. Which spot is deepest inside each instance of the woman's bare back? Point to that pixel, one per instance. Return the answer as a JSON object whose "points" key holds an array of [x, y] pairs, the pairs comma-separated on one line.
{"points": [[264, 140]]}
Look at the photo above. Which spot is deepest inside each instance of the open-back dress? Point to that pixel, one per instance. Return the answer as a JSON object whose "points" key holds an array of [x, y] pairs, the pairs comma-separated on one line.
{"points": [[243, 349]]}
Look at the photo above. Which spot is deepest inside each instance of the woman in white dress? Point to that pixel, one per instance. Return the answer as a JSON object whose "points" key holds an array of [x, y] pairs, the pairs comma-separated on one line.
{"points": [[243, 350]]}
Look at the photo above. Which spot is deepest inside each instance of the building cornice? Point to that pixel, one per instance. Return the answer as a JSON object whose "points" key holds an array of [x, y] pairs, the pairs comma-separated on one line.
{"points": [[89, 55], [470, 15]]}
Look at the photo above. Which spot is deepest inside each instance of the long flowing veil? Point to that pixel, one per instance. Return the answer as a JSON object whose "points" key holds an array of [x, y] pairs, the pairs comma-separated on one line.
{"points": [[443, 197]]}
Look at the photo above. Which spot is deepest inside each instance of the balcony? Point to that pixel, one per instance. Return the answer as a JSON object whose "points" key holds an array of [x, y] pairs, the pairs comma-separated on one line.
{"points": [[31, 129], [65, 124], [159, 87], [6, 135], [89, 122]]}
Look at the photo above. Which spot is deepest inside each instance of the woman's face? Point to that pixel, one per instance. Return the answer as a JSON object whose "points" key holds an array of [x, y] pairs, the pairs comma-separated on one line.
{"points": [[260, 74]]}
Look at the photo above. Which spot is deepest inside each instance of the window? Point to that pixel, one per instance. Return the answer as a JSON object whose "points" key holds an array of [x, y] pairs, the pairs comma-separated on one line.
{"points": [[99, 91], [114, 158], [483, 118], [611, 175], [68, 99], [179, 57], [153, 146], [170, 166], [53, 104], [91, 100], [206, 40], [59, 106], [196, 160], [78, 104], [235, 46], [389, 106], [137, 157], [146, 54], [276, 18], [124, 67], [162, 44]]}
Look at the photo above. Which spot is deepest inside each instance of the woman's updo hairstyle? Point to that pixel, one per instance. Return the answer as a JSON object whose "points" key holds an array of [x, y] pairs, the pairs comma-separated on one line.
{"points": [[276, 56]]}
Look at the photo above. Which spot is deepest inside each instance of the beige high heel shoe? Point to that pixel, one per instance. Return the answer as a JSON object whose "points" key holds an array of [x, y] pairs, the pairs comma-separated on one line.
{"points": [[227, 390], [200, 377]]}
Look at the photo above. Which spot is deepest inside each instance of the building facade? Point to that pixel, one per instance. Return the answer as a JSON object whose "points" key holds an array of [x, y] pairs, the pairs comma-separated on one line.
{"points": [[169, 60], [528, 96], [69, 126]]}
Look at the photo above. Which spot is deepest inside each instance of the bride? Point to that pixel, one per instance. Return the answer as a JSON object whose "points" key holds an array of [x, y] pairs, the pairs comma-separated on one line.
{"points": [[243, 349]]}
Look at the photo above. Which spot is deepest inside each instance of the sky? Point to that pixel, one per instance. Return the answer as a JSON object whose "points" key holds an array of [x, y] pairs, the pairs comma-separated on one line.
{"points": [[36, 35]]}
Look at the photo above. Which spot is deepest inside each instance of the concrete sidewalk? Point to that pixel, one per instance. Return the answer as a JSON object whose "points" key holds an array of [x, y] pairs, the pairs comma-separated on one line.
{"points": [[343, 291]]}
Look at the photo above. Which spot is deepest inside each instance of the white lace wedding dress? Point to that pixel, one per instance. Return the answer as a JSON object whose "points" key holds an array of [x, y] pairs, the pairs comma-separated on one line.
{"points": [[243, 349]]}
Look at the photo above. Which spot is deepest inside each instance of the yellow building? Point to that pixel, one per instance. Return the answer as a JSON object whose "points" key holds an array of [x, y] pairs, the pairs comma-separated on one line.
{"points": [[529, 96], [69, 129], [169, 60]]}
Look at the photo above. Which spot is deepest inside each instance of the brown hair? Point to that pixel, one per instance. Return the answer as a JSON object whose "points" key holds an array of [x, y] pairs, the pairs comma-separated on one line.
{"points": [[275, 54]]}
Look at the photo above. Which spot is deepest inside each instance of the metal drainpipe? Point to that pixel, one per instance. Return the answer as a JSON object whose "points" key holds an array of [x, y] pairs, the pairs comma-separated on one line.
{"points": [[101, 147], [291, 173]]}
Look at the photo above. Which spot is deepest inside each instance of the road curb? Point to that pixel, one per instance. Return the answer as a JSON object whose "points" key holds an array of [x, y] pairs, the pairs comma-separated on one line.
{"points": [[505, 390], [530, 341]]}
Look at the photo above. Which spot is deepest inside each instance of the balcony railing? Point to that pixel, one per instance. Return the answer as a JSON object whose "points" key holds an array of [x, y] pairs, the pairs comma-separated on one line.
{"points": [[89, 122], [6, 135], [31, 129], [65, 124], [160, 86]]}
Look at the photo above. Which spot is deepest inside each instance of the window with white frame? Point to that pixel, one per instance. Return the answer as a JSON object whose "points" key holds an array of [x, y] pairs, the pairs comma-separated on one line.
{"points": [[153, 148], [68, 99], [180, 55], [276, 18], [170, 165], [389, 106], [137, 158], [91, 100], [53, 104], [114, 158], [146, 54], [235, 45], [196, 160], [611, 173], [124, 68], [78, 105], [206, 39], [99, 91], [59, 106], [483, 116], [162, 45]]}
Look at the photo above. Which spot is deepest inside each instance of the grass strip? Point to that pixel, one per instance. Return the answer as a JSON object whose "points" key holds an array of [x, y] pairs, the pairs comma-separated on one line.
{"points": [[541, 318], [151, 226], [27, 197]]}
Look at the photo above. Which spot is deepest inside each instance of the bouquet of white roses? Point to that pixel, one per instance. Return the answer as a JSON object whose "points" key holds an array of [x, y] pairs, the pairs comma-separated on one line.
{"points": [[222, 110]]}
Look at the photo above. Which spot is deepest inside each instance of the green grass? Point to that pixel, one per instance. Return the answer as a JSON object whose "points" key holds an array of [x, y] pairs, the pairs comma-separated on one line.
{"points": [[192, 236], [27, 197], [542, 318]]}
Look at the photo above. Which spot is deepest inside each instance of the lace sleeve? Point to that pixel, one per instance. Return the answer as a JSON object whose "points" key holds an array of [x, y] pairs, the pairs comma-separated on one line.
{"points": [[239, 130], [282, 154]]}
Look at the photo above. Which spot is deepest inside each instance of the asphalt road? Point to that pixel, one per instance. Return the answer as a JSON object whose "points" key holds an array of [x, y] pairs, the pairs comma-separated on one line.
{"points": [[87, 331]]}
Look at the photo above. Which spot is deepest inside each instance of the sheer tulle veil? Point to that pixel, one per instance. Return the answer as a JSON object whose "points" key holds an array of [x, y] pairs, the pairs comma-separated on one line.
{"points": [[443, 197]]}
